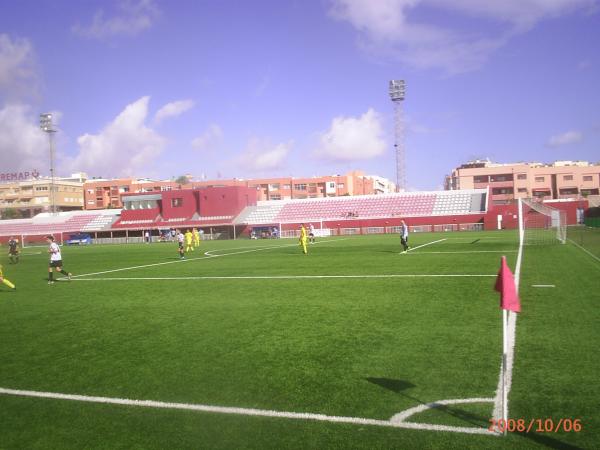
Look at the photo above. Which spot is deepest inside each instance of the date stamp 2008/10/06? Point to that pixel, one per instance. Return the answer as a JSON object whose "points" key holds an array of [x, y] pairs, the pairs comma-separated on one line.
{"points": [[536, 425]]}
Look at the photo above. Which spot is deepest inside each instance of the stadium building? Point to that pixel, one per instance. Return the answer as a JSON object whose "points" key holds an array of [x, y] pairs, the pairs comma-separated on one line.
{"points": [[235, 211]]}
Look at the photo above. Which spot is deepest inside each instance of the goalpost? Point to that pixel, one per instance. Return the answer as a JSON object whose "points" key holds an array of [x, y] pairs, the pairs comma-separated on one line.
{"points": [[38, 239], [541, 224]]}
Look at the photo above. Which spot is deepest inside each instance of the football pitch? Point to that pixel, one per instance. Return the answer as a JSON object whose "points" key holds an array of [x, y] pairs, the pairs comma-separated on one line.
{"points": [[251, 344]]}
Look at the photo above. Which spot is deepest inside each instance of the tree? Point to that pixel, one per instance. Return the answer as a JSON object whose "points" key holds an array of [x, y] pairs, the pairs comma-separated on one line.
{"points": [[182, 180], [11, 213]]}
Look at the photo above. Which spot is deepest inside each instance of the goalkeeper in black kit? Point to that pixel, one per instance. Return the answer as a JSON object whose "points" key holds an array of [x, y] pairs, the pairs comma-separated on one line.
{"points": [[13, 250]]}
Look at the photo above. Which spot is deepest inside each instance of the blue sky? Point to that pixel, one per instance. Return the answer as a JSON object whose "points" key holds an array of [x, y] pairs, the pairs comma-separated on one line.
{"points": [[296, 88]]}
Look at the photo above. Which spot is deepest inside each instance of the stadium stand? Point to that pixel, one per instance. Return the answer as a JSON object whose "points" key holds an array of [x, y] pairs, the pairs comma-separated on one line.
{"points": [[421, 205], [261, 214], [138, 217], [46, 223], [409, 204]]}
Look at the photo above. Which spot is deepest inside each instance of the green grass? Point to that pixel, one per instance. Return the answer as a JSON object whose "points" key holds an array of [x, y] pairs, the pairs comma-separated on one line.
{"points": [[586, 237], [361, 347]]}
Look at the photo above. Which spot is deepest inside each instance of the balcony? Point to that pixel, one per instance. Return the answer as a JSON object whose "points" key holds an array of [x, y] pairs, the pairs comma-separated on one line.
{"points": [[501, 184]]}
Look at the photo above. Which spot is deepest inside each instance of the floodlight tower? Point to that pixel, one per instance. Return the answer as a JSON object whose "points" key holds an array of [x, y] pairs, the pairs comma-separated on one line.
{"points": [[47, 127], [397, 91]]}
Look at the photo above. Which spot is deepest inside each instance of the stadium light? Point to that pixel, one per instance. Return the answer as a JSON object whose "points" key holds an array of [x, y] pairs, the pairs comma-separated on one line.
{"points": [[47, 127], [397, 91]]}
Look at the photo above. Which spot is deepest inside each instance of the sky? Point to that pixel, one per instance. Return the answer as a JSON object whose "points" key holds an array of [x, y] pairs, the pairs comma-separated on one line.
{"points": [[267, 88]]}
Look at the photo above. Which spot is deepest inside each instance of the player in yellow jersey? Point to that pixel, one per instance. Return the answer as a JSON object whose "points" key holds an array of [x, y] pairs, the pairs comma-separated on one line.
{"points": [[5, 281], [303, 239], [188, 241], [196, 235]]}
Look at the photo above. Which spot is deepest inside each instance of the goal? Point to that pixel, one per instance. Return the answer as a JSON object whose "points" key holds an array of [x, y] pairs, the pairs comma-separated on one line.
{"points": [[540, 223]]}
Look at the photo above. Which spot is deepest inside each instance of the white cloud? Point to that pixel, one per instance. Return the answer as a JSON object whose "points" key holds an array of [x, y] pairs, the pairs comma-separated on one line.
{"points": [[351, 138], [209, 139], [388, 30], [261, 155], [123, 148], [173, 109], [567, 138], [23, 146], [132, 17], [16, 65]]}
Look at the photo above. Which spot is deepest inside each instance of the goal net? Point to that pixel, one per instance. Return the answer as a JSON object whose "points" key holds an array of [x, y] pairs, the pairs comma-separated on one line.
{"points": [[541, 224], [37, 240]]}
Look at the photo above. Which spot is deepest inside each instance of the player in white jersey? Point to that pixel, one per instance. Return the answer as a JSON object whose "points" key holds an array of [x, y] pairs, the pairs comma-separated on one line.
{"points": [[55, 260], [180, 239], [311, 233], [404, 236]]}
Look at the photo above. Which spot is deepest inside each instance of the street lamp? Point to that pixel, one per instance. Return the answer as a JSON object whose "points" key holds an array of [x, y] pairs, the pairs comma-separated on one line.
{"points": [[47, 127]]}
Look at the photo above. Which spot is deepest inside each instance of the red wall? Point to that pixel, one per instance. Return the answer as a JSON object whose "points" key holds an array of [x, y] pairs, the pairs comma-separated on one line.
{"points": [[225, 201], [188, 208], [509, 215], [570, 208]]}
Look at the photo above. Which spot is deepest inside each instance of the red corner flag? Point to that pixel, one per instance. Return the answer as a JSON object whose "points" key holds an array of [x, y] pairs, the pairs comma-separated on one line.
{"points": [[505, 284]]}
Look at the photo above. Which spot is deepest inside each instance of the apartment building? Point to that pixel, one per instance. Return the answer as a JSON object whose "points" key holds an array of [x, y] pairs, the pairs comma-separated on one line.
{"points": [[28, 197], [102, 193], [506, 182]]}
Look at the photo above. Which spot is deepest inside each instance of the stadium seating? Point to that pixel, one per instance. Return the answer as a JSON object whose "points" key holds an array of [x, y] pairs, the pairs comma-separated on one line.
{"points": [[408, 204], [261, 214], [138, 217], [45, 223]]}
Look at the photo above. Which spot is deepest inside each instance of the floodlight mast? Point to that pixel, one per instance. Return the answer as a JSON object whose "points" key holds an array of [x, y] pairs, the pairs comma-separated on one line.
{"points": [[47, 127], [397, 91]]}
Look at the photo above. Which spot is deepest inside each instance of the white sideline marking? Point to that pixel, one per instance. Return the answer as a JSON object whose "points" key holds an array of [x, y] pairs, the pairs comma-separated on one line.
{"points": [[467, 251], [543, 285], [282, 277], [424, 245], [585, 250], [248, 411], [401, 417]]}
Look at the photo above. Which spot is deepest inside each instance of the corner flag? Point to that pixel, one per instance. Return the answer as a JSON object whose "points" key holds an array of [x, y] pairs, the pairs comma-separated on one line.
{"points": [[505, 284]]}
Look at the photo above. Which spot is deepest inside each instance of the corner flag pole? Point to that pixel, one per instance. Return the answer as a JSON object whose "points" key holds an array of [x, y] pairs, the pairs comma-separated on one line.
{"points": [[509, 303], [504, 364]]}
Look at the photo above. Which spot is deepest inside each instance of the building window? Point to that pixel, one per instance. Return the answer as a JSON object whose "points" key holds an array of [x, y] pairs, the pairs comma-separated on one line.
{"points": [[588, 178], [300, 187], [502, 191], [481, 179], [522, 176], [501, 177], [340, 185], [568, 177], [539, 179], [286, 186], [568, 191], [176, 202], [274, 186], [522, 190], [275, 197]]}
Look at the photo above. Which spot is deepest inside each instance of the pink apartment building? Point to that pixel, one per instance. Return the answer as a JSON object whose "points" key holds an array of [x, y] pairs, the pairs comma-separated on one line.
{"points": [[506, 182]]}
